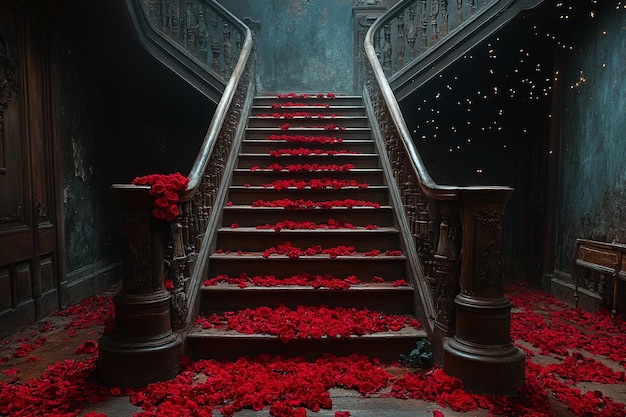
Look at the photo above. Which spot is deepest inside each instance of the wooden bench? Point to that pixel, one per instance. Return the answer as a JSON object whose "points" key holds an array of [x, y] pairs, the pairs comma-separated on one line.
{"points": [[604, 259]]}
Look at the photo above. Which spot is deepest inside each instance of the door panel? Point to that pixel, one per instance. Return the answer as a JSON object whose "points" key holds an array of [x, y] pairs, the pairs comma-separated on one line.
{"points": [[5, 290], [28, 235]]}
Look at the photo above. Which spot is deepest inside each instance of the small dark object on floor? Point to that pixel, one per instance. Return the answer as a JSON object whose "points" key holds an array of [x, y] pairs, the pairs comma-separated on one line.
{"points": [[420, 357]]}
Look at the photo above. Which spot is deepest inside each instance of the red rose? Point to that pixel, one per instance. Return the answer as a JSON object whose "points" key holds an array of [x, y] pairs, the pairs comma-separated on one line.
{"points": [[158, 189], [158, 214], [172, 196], [88, 346], [161, 203], [172, 212]]}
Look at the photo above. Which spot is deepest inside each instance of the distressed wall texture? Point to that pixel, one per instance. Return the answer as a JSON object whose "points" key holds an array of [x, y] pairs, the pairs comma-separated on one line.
{"points": [[302, 46], [592, 195], [122, 115]]}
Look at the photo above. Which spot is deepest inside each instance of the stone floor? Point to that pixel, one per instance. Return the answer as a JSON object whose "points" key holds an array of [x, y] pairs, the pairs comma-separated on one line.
{"points": [[61, 344]]}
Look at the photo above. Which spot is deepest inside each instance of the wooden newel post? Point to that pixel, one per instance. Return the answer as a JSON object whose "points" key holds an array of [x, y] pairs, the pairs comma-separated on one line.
{"points": [[142, 347], [481, 352]]}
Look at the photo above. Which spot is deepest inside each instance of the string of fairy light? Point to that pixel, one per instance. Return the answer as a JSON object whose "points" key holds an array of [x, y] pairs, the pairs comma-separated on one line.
{"points": [[480, 97]]}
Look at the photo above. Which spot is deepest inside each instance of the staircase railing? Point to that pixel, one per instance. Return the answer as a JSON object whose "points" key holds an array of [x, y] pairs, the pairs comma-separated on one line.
{"points": [[146, 343], [417, 39], [197, 39], [453, 234]]}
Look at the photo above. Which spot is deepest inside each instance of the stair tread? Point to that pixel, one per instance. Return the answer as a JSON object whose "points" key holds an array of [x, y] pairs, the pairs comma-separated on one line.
{"points": [[317, 173], [307, 188], [232, 255], [362, 287], [310, 156], [338, 106], [406, 331], [309, 144], [302, 117], [310, 128], [341, 230], [251, 207], [311, 96]]}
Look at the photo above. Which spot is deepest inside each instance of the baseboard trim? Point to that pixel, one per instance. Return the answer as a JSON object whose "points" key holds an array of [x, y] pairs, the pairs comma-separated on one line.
{"points": [[87, 282]]}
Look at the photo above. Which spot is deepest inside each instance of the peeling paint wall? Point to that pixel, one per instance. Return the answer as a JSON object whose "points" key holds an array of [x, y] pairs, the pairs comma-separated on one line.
{"points": [[592, 195], [302, 45], [122, 115], [90, 224]]}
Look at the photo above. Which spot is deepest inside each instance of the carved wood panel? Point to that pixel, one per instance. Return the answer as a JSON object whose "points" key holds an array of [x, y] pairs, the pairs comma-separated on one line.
{"points": [[28, 235]]}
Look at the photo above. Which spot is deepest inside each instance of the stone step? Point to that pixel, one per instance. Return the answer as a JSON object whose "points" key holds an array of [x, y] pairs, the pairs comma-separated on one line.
{"points": [[353, 133], [247, 195], [246, 215], [390, 268], [300, 121], [252, 239], [366, 146], [312, 100], [243, 176], [247, 160], [228, 344], [327, 109], [382, 297]]}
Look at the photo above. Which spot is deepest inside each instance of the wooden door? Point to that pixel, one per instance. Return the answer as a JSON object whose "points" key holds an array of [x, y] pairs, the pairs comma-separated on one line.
{"points": [[28, 235]]}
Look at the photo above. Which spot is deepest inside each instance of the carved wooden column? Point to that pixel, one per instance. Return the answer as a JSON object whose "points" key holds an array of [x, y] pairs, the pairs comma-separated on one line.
{"points": [[364, 15], [481, 352], [446, 282], [142, 348]]}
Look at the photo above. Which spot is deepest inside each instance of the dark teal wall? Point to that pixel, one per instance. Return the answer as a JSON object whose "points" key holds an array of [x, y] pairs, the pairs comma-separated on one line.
{"points": [[302, 45], [87, 205], [122, 115], [592, 195]]}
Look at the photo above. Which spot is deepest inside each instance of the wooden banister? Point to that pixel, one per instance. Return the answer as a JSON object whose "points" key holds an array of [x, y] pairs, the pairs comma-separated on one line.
{"points": [[456, 241], [146, 344]]}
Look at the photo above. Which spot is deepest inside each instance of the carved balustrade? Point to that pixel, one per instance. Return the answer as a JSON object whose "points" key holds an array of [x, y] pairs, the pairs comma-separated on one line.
{"points": [[199, 28], [412, 28], [454, 246], [146, 345]]}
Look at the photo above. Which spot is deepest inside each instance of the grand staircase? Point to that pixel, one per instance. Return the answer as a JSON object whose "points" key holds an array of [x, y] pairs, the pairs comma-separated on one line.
{"points": [[288, 220], [307, 225]]}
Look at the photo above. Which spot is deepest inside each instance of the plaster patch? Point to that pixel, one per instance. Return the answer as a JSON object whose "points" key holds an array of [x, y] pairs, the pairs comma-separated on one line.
{"points": [[77, 156]]}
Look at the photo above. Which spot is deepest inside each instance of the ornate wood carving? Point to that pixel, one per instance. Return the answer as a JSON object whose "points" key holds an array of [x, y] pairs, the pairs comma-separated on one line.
{"points": [[8, 87], [416, 27], [197, 28], [15, 216], [471, 327]]}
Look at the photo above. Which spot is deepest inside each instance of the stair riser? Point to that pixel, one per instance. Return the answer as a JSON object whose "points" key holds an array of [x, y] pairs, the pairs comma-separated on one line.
{"points": [[265, 146], [261, 216], [231, 348], [261, 240], [243, 177], [268, 110], [346, 135], [364, 267], [249, 195], [313, 101], [388, 302], [263, 161], [305, 122]]}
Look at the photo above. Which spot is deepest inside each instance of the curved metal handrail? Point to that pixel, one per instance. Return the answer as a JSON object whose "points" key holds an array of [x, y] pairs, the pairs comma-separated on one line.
{"points": [[429, 187]]}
